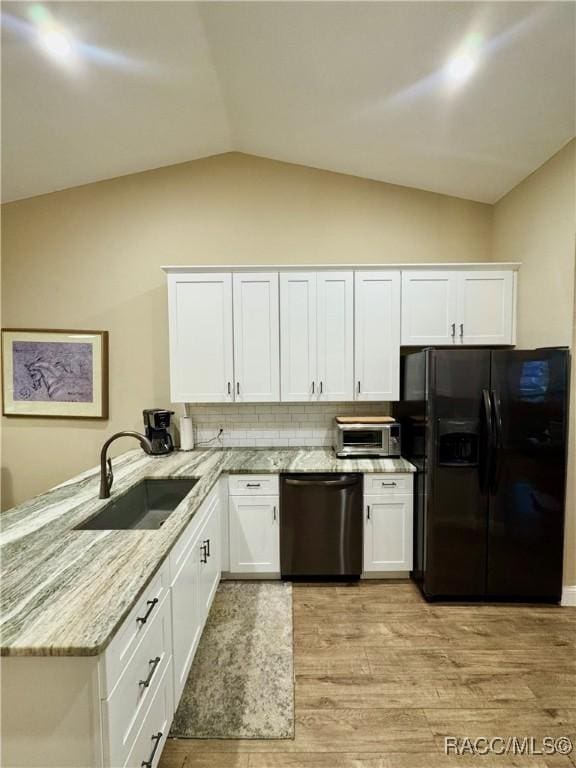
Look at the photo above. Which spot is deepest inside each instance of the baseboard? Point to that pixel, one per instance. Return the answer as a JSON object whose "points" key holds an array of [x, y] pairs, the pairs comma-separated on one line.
{"points": [[569, 596], [386, 575], [229, 576]]}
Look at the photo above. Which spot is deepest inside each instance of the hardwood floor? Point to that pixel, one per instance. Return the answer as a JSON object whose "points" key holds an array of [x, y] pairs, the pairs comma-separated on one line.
{"points": [[382, 677]]}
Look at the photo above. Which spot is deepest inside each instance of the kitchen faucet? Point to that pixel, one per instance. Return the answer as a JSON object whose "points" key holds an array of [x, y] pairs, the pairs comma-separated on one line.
{"points": [[106, 474]]}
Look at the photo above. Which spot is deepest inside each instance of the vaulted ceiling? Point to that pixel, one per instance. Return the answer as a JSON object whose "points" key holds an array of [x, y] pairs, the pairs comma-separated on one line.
{"points": [[356, 87]]}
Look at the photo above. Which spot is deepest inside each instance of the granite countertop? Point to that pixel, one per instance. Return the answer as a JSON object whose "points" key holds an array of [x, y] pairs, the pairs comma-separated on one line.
{"points": [[65, 592]]}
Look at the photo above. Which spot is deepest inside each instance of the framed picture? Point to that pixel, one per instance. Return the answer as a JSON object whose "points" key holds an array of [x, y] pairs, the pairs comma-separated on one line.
{"points": [[53, 373]]}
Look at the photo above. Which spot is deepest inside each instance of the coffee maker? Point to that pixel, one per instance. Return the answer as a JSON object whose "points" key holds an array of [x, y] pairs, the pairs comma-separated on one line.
{"points": [[157, 423]]}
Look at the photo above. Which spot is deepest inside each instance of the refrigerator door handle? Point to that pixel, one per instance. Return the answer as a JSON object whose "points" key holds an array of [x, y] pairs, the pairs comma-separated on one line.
{"points": [[487, 457], [495, 473]]}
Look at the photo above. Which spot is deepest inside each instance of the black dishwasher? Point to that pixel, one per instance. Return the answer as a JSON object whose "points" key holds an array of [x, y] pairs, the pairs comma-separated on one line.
{"points": [[321, 525]]}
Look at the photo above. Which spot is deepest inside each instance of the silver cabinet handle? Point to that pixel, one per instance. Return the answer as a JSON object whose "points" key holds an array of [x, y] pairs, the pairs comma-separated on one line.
{"points": [[229, 389], [207, 545], [274, 512], [358, 387], [461, 330], [237, 387], [453, 330], [390, 485], [368, 511], [204, 558], [321, 387], [313, 387]]}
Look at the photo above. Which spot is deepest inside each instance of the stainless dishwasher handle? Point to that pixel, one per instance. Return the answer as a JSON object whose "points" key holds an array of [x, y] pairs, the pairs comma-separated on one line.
{"points": [[331, 483]]}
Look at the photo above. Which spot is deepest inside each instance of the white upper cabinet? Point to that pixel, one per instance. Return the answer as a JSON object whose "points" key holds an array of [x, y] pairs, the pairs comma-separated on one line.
{"points": [[335, 335], [322, 334], [377, 335], [429, 307], [453, 307], [200, 318], [298, 335], [256, 337], [317, 336], [486, 308]]}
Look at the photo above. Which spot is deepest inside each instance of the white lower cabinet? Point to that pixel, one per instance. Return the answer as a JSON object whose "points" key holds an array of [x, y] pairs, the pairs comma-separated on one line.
{"points": [[254, 524], [195, 573], [148, 745], [186, 616], [254, 534], [388, 525], [123, 711]]}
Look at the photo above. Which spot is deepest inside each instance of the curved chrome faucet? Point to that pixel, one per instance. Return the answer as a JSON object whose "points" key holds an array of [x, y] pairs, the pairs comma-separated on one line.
{"points": [[106, 474]]}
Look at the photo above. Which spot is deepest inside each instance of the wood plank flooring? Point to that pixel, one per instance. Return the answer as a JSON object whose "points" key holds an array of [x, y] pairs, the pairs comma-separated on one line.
{"points": [[382, 677]]}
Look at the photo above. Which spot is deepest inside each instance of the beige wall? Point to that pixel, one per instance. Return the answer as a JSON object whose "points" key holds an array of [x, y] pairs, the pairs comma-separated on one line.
{"points": [[535, 223], [90, 257]]}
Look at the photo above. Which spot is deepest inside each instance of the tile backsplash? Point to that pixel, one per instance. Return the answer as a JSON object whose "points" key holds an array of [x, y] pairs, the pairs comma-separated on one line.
{"points": [[273, 425]]}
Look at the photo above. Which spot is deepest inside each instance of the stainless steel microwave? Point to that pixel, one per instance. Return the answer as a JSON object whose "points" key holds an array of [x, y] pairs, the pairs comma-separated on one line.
{"points": [[369, 440]]}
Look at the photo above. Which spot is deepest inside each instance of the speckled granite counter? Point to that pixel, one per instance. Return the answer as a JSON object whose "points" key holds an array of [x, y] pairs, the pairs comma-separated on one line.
{"points": [[65, 592]]}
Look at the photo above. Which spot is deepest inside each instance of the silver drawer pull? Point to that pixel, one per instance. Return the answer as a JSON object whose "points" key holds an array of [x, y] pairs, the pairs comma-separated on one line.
{"points": [[252, 485], [156, 739], [153, 664], [390, 485]]}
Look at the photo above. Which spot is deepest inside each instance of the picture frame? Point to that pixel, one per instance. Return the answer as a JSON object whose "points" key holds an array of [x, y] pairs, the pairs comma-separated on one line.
{"points": [[54, 373]]}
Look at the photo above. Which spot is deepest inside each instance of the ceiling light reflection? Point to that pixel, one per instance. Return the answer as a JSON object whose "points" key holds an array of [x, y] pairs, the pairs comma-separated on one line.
{"points": [[41, 29], [465, 62], [56, 42]]}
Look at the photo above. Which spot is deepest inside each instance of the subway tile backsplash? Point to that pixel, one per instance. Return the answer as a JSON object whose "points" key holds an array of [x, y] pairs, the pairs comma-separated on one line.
{"points": [[273, 425]]}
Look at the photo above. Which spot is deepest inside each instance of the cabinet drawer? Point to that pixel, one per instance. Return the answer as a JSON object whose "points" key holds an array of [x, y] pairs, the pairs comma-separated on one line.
{"points": [[151, 738], [123, 711], [388, 483], [118, 654], [253, 485], [179, 551]]}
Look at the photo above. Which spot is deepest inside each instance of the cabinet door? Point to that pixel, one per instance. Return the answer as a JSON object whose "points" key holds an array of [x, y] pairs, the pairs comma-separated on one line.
{"points": [[388, 533], [429, 307], [256, 337], [486, 307], [254, 534], [335, 335], [187, 617], [377, 335], [210, 559], [200, 318], [298, 336]]}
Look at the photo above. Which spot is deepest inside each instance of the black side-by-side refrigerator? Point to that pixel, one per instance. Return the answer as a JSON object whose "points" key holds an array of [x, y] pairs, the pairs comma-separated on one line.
{"points": [[487, 431]]}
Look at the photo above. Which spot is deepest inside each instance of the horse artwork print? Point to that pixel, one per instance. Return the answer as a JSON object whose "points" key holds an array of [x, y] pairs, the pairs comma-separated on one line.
{"points": [[55, 373], [51, 370]]}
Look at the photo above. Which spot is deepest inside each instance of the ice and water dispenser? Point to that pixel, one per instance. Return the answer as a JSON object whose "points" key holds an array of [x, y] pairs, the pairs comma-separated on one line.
{"points": [[458, 442]]}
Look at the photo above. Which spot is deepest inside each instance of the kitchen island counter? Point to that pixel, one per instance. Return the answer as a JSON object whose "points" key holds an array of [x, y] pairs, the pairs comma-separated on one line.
{"points": [[65, 592]]}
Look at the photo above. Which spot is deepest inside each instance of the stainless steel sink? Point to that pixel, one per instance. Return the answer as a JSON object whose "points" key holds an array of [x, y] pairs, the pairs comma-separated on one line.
{"points": [[146, 506]]}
